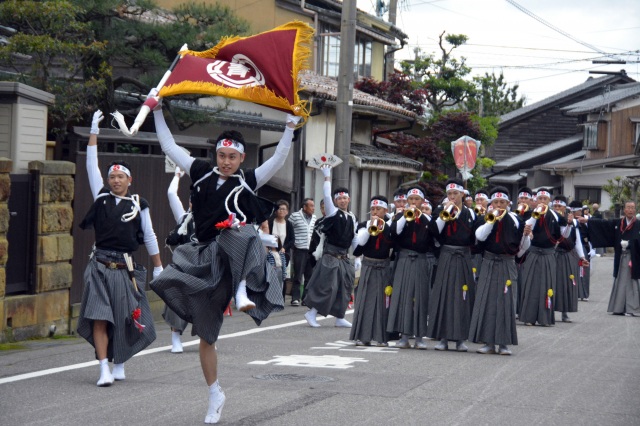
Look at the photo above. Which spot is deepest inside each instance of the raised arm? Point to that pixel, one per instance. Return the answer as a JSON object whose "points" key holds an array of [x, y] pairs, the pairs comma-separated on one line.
{"points": [[96, 183], [168, 143], [174, 201], [329, 208], [269, 168]]}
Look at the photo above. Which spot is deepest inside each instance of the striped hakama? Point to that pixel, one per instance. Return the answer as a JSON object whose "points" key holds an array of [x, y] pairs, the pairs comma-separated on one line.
{"points": [[200, 282], [537, 276], [174, 321], [370, 310], [408, 312], [566, 293], [109, 296], [494, 316], [329, 289], [625, 294], [449, 308], [584, 281]]}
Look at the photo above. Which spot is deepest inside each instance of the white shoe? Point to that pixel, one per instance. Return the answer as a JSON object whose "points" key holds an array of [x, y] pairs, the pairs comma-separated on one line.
{"points": [[243, 303], [176, 344], [106, 378], [341, 322], [310, 316], [216, 402], [118, 371]]}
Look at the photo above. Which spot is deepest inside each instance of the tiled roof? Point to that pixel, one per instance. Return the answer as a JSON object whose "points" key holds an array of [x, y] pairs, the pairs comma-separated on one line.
{"points": [[545, 150], [622, 160], [619, 93], [558, 97], [327, 88], [369, 155]]}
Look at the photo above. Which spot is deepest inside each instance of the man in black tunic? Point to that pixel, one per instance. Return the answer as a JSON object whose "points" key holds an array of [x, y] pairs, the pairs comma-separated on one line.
{"points": [[623, 235]]}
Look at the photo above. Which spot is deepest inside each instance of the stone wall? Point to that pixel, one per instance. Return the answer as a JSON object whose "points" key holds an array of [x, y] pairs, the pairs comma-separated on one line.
{"points": [[32, 315]]}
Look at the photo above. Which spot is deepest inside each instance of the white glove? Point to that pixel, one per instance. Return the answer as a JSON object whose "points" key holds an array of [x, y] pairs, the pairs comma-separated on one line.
{"points": [[97, 118], [179, 172], [156, 271], [268, 240], [326, 170], [293, 119], [357, 263], [363, 235], [624, 244]]}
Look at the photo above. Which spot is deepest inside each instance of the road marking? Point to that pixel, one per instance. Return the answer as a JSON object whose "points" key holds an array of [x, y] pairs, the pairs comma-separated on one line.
{"points": [[324, 361], [55, 370], [348, 346]]}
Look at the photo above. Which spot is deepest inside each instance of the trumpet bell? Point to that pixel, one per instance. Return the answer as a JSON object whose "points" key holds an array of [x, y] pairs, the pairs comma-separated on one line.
{"points": [[495, 215], [538, 212], [479, 210], [450, 213], [522, 209], [376, 227], [411, 214]]}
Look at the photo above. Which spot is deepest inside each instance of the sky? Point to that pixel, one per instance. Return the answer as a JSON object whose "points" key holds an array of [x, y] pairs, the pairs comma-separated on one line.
{"points": [[542, 60]]}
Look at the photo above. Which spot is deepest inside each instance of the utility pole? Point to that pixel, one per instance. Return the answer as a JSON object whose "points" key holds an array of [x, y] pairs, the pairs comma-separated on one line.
{"points": [[344, 104], [390, 65]]}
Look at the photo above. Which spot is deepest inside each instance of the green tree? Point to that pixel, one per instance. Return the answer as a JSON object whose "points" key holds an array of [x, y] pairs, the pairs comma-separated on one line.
{"points": [[442, 77], [51, 51], [493, 97]]}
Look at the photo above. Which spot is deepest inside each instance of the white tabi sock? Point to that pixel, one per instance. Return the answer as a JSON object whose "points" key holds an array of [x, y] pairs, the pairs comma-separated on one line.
{"points": [[310, 316], [243, 303], [118, 371], [106, 379], [176, 343], [216, 402]]}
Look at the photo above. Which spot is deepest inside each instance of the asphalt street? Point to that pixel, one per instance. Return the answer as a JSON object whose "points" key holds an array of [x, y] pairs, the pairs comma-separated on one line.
{"points": [[287, 373]]}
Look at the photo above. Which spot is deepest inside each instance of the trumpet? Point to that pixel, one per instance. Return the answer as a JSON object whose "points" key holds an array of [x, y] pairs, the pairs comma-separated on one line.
{"points": [[522, 209], [539, 212], [495, 215], [411, 214], [376, 226], [479, 209], [450, 213]]}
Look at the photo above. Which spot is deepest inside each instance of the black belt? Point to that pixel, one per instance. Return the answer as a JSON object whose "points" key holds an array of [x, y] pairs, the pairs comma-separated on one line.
{"points": [[112, 265]]}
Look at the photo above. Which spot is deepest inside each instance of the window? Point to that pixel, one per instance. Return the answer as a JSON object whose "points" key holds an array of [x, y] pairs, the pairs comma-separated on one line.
{"points": [[330, 61], [590, 193], [636, 138], [590, 140]]}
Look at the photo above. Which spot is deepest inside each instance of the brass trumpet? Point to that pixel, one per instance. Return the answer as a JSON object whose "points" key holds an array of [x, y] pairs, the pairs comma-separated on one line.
{"points": [[450, 213], [495, 215], [522, 208], [411, 214], [479, 209], [376, 226], [539, 212]]}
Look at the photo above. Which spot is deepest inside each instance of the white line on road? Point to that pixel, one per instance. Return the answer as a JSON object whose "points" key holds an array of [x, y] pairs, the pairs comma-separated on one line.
{"points": [[49, 371]]}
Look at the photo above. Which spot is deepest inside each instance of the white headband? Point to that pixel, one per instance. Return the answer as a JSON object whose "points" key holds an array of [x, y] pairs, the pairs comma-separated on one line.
{"points": [[481, 196], [230, 143], [499, 196], [416, 191], [119, 168], [455, 186], [524, 194], [559, 203], [379, 203], [340, 194], [542, 192], [400, 197]]}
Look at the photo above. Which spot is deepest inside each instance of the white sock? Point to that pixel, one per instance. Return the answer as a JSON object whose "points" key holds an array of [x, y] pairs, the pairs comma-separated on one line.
{"points": [[216, 402], [176, 342], [242, 300], [118, 371], [106, 379]]}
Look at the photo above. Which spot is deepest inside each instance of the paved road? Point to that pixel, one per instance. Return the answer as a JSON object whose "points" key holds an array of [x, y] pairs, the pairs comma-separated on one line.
{"points": [[286, 373]]}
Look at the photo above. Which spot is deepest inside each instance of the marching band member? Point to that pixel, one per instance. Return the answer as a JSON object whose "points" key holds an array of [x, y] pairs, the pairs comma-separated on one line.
{"points": [[537, 279], [502, 236], [525, 206], [566, 293], [408, 312], [621, 234], [375, 245], [399, 200], [584, 268], [331, 284], [229, 259], [453, 291], [115, 317]]}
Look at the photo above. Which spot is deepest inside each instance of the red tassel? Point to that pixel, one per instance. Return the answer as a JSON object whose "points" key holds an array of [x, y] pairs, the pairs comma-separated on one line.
{"points": [[413, 237], [455, 226], [378, 242], [448, 230], [498, 232]]}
